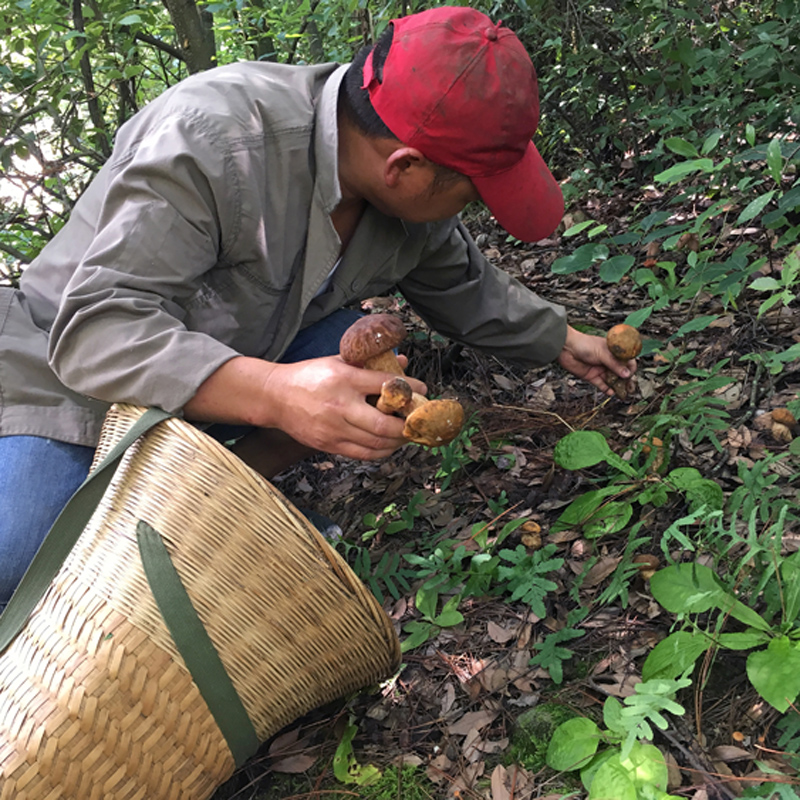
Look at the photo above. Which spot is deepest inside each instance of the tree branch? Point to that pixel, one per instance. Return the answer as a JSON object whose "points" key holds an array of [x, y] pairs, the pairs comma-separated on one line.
{"points": [[165, 47], [95, 112]]}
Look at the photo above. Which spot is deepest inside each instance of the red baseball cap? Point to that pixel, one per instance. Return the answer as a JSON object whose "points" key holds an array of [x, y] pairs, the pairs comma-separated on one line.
{"points": [[463, 91]]}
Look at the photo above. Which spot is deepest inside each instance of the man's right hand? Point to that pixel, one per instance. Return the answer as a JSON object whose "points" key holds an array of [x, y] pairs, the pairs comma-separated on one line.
{"points": [[320, 403]]}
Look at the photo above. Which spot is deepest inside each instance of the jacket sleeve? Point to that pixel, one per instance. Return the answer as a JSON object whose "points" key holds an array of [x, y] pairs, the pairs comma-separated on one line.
{"points": [[118, 334], [466, 298]]}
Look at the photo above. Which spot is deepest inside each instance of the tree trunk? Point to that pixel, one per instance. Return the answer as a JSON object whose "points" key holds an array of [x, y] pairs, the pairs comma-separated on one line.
{"points": [[195, 33], [258, 31]]}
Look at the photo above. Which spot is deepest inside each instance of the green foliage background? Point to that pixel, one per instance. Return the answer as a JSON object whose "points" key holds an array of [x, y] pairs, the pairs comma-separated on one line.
{"points": [[617, 80]]}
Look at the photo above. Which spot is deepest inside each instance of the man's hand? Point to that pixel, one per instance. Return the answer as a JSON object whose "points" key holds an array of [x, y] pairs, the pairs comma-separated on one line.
{"points": [[320, 403], [588, 357]]}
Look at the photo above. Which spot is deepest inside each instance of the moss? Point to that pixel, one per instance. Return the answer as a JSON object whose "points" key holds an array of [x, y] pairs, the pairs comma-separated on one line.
{"points": [[408, 784], [533, 732]]}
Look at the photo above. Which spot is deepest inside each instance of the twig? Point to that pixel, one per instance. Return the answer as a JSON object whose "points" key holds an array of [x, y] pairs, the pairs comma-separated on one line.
{"points": [[700, 765], [514, 783], [537, 411]]}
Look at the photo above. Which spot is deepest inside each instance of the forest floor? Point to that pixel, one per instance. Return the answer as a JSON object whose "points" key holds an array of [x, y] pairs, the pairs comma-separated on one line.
{"points": [[456, 709]]}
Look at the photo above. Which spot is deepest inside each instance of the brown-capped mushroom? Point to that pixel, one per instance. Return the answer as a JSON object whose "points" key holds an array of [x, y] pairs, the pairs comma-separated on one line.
{"points": [[647, 564], [781, 433], [625, 343], [782, 416], [435, 423], [531, 535], [369, 342], [395, 396]]}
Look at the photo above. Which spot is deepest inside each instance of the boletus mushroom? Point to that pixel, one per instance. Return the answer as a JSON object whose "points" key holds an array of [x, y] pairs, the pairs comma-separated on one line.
{"points": [[369, 343], [434, 423], [625, 343]]}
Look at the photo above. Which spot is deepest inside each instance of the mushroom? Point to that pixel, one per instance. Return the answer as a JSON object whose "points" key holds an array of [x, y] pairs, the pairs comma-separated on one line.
{"points": [[396, 396], [434, 423], [369, 343], [784, 425], [625, 343], [647, 564]]}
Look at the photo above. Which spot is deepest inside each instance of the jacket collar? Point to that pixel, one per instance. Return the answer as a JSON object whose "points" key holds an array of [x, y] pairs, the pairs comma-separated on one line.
{"points": [[326, 143]]}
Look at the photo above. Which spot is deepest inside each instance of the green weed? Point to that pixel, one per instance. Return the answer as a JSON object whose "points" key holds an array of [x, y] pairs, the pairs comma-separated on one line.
{"points": [[620, 760]]}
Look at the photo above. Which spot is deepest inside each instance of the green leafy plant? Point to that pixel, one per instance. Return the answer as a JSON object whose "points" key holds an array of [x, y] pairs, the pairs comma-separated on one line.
{"points": [[773, 666], [771, 791], [453, 457], [697, 408], [690, 259], [619, 762], [609, 509], [389, 573], [393, 519], [406, 782], [345, 766], [774, 362], [420, 631], [784, 287], [452, 570], [523, 576], [550, 654]]}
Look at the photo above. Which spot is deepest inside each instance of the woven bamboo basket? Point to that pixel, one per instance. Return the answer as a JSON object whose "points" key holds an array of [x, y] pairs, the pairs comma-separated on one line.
{"points": [[96, 700]]}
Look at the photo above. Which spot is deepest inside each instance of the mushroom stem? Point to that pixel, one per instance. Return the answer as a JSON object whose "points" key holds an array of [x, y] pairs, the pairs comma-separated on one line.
{"points": [[385, 362]]}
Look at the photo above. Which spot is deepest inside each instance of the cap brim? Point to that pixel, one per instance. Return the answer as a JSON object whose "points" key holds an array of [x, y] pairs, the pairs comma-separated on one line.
{"points": [[526, 199]]}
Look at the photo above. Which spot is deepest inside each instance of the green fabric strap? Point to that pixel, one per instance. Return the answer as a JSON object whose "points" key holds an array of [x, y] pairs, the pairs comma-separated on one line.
{"points": [[195, 645], [66, 530]]}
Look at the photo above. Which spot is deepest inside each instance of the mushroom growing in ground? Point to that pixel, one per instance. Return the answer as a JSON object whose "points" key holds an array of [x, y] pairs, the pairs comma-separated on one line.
{"points": [[625, 343], [369, 343], [784, 425], [647, 564]]}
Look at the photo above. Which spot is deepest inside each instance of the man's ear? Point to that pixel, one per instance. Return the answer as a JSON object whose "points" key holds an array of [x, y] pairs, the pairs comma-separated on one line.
{"points": [[401, 163]]}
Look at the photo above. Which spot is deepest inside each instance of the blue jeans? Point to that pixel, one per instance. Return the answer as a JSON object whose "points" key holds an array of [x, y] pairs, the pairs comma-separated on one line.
{"points": [[38, 476]]}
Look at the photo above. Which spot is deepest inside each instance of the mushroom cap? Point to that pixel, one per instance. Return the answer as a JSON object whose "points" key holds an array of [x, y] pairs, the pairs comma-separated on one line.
{"points": [[784, 417], [370, 336], [395, 396], [436, 423], [624, 342]]}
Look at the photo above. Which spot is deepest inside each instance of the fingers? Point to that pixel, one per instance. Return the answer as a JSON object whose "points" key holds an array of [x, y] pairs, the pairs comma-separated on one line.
{"points": [[598, 379], [368, 382], [323, 404], [331, 412], [624, 369]]}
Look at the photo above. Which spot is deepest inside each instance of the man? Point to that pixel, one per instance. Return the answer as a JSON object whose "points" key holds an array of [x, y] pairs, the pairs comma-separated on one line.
{"points": [[206, 268]]}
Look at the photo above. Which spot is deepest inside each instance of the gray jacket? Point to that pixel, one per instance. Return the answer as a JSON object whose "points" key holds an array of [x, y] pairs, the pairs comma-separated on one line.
{"points": [[207, 235]]}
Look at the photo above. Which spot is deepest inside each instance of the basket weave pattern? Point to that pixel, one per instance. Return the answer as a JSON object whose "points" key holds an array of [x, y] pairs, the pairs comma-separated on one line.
{"points": [[95, 700]]}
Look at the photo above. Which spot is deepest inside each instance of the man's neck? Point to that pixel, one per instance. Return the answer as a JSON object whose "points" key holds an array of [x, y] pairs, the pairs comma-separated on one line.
{"points": [[345, 218]]}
